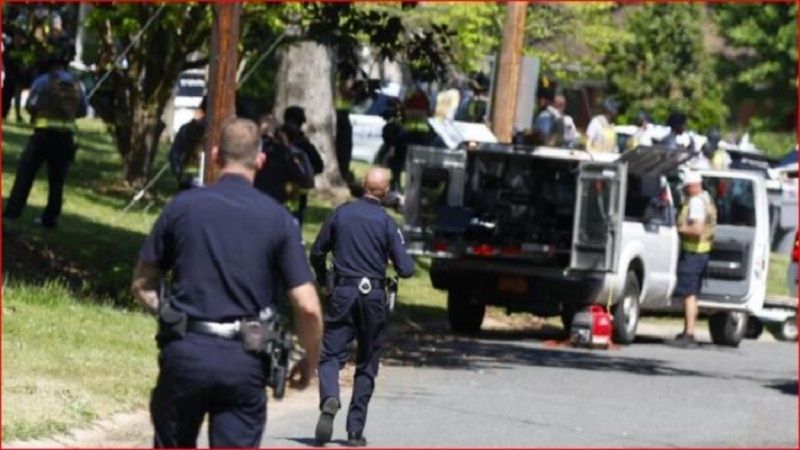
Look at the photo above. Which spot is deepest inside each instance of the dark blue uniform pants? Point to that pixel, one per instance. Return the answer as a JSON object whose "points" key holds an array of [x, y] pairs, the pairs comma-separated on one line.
{"points": [[51, 146], [349, 315], [205, 374]]}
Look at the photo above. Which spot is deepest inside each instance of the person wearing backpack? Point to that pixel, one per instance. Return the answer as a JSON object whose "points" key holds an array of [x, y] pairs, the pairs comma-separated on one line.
{"points": [[286, 166], [307, 155], [55, 100]]}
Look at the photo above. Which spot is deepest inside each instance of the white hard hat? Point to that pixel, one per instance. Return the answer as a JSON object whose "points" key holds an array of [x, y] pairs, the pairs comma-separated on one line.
{"points": [[692, 177]]}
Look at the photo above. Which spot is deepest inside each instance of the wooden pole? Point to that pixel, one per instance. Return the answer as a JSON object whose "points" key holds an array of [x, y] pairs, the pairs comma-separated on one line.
{"points": [[221, 103], [505, 101]]}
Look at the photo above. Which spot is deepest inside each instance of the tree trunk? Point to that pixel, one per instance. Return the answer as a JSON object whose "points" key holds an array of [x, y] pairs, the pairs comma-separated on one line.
{"points": [[305, 79]]}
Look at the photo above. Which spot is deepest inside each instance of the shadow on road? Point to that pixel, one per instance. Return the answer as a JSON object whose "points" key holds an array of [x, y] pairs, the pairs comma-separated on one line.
{"points": [[788, 387], [503, 350]]}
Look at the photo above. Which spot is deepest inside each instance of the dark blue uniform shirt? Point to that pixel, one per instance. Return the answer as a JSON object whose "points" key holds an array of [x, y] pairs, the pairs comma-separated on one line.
{"points": [[230, 249], [362, 237]]}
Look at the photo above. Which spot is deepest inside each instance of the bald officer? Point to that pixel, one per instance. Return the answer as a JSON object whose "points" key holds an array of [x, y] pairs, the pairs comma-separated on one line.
{"points": [[362, 238], [227, 267]]}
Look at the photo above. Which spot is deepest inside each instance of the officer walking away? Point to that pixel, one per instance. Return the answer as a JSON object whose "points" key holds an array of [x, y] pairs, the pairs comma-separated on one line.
{"points": [[600, 134], [225, 271], [186, 148], [362, 238], [55, 100], [697, 222]]}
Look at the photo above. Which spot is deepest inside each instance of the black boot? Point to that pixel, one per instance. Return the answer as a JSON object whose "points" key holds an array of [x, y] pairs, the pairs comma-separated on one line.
{"points": [[356, 440], [325, 424]]}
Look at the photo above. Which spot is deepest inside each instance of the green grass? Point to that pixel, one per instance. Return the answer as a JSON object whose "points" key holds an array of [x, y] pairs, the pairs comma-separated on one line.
{"points": [[67, 362], [776, 279]]}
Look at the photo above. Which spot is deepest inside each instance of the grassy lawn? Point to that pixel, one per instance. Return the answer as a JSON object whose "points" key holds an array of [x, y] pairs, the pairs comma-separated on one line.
{"points": [[68, 361], [76, 347]]}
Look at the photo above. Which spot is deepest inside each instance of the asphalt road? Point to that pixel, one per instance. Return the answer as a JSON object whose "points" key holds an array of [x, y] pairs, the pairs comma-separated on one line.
{"points": [[511, 388]]}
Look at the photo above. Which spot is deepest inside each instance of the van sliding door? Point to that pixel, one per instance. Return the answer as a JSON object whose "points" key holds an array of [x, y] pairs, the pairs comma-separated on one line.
{"points": [[598, 216]]}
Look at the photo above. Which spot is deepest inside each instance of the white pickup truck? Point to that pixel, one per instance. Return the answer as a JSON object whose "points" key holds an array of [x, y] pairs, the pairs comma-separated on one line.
{"points": [[549, 231]]}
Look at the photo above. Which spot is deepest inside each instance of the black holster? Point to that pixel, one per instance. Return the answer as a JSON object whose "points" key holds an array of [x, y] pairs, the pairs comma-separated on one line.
{"points": [[266, 339], [171, 323]]}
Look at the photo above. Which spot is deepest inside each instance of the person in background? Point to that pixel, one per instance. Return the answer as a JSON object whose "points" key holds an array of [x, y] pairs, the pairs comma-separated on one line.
{"points": [[678, 136], [294, 117], [55, 100], [697, 222], [600, 134], [344, 99], [548, 126], [644, 132], [184, 154]]}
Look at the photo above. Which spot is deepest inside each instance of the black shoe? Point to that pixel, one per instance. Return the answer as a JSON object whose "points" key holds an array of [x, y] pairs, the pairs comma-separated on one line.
{"points": [[685, 340], [325, 424], [356, 440]]}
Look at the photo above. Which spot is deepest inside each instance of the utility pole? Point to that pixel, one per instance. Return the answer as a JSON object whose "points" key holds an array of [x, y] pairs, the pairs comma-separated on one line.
{"points": [[505, 100], [221, 104]]}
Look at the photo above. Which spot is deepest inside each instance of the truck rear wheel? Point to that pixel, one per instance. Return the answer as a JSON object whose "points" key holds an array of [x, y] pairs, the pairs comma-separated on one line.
{"points": [[786, 330], [464, 312], [626, 311], [727, 327], [754, 328]]}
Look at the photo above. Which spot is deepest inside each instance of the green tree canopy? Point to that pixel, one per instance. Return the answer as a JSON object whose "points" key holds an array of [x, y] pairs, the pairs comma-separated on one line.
{"points": [[664, 66], [762, 61]]}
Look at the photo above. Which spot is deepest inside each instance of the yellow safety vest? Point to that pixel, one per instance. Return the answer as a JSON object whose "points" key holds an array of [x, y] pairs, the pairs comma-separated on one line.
{"points": [[42, 122], [718, 160], [703, 243], [342, 103], [416, 124]]}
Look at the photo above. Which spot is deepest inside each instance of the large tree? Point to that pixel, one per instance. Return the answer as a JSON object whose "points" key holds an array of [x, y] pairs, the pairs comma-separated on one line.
{"points": [[665, 66], [132, 101], [760, 62], [330, 33]]}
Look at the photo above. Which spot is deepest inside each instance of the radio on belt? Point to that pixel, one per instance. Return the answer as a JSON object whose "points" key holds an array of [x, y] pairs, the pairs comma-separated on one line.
{"points": [[592, 327]]}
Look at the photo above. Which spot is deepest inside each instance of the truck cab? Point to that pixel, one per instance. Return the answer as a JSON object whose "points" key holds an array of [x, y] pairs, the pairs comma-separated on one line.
{"points": [[550, 231]]}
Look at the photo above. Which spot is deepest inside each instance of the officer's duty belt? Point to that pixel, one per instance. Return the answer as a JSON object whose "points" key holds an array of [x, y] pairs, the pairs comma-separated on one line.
{"points": [[355, 281], [227, 330]]}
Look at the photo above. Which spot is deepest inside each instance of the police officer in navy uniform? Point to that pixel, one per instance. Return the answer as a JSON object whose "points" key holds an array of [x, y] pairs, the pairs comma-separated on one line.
{"points": [[362, 238], [225, 268], [55, 100]]}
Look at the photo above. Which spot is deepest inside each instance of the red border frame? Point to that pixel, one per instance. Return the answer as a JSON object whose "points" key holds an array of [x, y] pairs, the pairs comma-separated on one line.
{"points": [[2, 273]]}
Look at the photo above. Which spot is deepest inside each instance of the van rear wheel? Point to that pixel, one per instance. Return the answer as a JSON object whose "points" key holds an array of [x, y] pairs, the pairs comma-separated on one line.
{"points": [[626, 311], [727, 327], [464, 312]]}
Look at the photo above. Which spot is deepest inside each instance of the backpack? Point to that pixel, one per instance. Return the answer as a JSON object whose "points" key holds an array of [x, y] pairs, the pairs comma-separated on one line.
{"points": [[301, 170], [59, 100]]}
